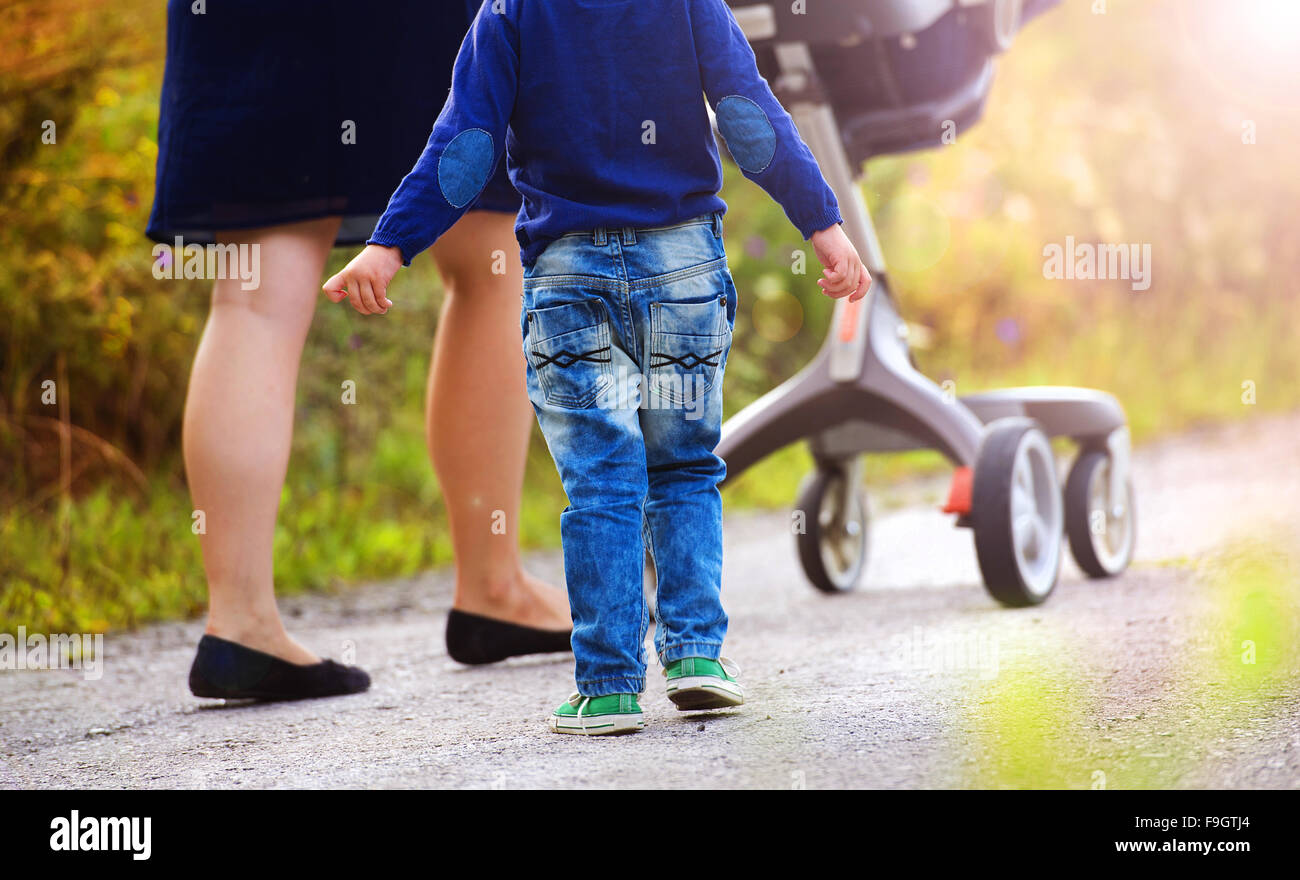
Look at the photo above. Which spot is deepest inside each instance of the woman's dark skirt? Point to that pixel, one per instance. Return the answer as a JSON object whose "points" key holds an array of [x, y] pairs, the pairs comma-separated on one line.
{"points": [[276, 111]]}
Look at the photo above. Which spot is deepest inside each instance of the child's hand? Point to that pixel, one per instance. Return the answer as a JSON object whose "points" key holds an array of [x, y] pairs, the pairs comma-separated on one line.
{"points": [[844, 271], [365, 280]]}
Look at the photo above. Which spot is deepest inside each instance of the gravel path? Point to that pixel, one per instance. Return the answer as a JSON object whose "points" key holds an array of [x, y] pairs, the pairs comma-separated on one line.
{"points": [[916, 680]]}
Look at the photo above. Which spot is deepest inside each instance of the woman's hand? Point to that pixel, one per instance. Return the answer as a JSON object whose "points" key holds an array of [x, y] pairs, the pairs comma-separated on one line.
{"points": [[365, 280], [843, 268]]}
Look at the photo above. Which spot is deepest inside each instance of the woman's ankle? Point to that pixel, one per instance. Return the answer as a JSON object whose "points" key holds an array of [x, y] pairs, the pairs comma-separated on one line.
{"points": [[497, 589], [516, 597], [267, 636]]}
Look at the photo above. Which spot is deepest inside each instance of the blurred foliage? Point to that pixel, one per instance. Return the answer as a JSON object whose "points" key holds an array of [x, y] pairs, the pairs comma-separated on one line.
{"points": [[1124, 127], [1119, 128], [1040, 724]]}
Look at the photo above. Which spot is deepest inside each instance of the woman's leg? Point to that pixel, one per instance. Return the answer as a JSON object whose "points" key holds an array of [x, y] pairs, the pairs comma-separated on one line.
{"points": [[480, 421], [239, 423]]}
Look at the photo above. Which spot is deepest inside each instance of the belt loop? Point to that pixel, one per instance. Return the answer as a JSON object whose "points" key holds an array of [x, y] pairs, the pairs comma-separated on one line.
{"points": [[601, 239], [717, 224], [629, 235]]}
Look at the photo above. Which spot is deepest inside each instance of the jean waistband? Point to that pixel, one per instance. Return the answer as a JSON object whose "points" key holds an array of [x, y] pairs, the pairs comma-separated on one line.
{"points": [[600, 235]]}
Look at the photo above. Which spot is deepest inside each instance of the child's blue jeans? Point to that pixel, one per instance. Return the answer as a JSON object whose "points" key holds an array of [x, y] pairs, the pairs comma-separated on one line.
{"points": [[626, 333]]}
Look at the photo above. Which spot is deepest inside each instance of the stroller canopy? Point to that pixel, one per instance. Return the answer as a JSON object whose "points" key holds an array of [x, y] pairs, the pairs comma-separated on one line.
{"points": [[898, 72]]}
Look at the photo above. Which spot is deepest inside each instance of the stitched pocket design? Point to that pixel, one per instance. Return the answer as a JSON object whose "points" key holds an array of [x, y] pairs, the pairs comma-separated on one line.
{"points": [[569, 346], [688, 343]]}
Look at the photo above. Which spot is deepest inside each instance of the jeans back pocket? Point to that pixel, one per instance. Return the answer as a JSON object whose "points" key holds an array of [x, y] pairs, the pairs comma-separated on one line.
{"points": [[688, 344], [570, 348]]}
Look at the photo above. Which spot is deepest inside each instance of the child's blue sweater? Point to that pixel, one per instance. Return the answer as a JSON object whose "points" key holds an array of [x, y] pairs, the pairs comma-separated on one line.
{"points": [[598, 107]]}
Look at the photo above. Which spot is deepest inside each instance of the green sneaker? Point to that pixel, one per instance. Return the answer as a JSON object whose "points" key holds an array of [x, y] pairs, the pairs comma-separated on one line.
{"points": [[696, 683], [595, 716]]}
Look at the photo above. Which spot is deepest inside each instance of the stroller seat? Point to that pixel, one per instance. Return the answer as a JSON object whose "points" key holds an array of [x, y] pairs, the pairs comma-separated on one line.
{"points": [[899, 74]]}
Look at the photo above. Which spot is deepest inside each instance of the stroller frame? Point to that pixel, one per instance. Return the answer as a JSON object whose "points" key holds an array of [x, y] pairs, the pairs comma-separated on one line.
{"points": [[863, 394]]}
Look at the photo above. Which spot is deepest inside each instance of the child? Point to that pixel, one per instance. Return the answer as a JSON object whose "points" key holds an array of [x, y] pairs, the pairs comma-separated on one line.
{"points": [[628, 304]]}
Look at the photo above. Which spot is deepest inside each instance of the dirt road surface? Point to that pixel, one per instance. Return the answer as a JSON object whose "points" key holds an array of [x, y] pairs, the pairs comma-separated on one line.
{"points": [[918, 679]]}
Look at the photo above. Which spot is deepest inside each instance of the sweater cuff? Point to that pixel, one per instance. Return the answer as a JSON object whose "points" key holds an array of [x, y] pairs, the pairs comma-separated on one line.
{"points": [[407, 249], [817, 223]]}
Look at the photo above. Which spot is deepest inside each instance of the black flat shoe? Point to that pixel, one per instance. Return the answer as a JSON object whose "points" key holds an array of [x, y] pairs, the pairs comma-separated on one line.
{"points": [[475, 640], [230, 671]]}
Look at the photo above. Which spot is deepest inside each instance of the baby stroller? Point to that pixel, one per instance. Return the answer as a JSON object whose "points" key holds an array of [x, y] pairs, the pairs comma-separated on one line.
{"points": [[863, 78]]}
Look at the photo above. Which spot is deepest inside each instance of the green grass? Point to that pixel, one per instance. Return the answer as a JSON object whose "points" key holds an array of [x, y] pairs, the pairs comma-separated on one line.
{"points": [[105, 564]]}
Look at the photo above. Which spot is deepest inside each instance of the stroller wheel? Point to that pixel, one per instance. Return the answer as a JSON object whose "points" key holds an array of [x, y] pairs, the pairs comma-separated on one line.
{"points": [[1017, 513], [1102, 529], [833, 544]]}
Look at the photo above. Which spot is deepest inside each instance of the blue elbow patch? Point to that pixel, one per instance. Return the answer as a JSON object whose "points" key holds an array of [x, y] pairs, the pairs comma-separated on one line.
{"points": [[748, 132], [465, 166]]}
